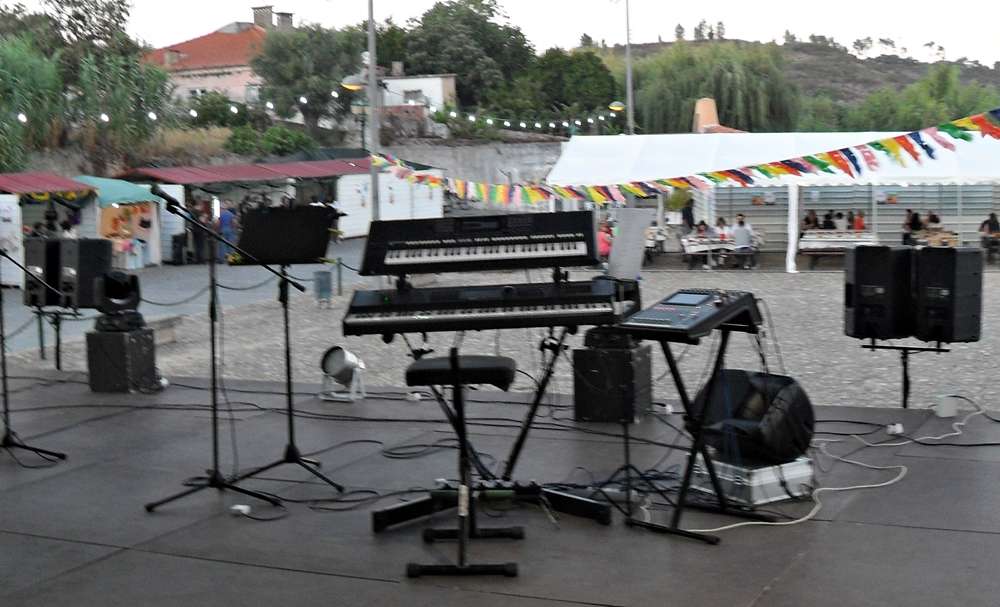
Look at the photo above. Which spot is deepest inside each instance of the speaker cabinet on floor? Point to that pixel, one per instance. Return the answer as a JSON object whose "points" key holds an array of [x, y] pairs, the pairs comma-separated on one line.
{"points": [[83, 260], [611, 385], [41, 257], [949, 294], [121, 361], [877, 301]]}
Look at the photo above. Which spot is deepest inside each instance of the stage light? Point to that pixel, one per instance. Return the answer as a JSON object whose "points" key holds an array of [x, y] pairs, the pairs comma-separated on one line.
{"points": [[342, 370]]}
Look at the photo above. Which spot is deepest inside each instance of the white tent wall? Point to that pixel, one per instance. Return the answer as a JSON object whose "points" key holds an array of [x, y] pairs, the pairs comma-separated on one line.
{"points": [[170, 224], [12, 240], [399, 199]]}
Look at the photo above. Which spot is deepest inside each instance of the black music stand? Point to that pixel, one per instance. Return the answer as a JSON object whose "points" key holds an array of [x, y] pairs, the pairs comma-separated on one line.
{"points": [[10, 439], [214, 478], [284, 237]]}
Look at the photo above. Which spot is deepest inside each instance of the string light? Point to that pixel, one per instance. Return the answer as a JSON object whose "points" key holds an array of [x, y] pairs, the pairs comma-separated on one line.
{"points": [[489, 121], [577, 123], [22, 117], [524, 126], [433, 109], [552, 125], [453, 114], [335, 94], [303, 100], [104, 117], [269, 105], [234, 109], [506, 123], [601, 117], [193, 113], [472, 117], [565, 124], [538, 125], [152, 116], [590, 121]]}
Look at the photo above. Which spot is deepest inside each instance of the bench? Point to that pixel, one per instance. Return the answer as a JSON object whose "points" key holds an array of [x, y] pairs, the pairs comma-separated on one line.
{"points": [[815, 255]]}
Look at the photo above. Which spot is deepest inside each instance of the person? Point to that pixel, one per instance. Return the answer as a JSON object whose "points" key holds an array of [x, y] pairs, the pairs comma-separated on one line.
{"points": [[721, 228], [604, 241], [743, 243], [198, 235], [811, 222], [67, 229], [908, 227], [990, 233], [828, 221], [227, 229], [859, 221], [38, 230], [740, 217], [704, 231], [849, 224], [687, 215], [933, 221], [839, 223]]}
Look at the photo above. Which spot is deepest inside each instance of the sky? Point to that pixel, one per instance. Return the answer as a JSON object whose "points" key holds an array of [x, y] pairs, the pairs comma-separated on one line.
{"points": [[549, 23]]}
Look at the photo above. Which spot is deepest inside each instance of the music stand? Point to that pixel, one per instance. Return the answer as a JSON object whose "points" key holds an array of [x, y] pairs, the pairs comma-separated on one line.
{"points": [[283, 237]]}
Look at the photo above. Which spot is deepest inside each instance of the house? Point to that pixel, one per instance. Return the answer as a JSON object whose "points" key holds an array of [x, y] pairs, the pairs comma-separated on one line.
{"points": [[220, 61], [428, 90]]}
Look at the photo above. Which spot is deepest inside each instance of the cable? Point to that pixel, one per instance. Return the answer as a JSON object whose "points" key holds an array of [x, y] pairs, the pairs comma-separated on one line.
{"points": [[818, 504], [176, 303]]}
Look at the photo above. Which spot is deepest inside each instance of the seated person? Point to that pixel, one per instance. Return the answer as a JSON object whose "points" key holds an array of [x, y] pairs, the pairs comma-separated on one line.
{"points": [[604, 241], [828, 222], [703, 230], [989, 231], [839, 223], [722, 228], [859, 221], [743, 241], [933, 221], [811, 221]]}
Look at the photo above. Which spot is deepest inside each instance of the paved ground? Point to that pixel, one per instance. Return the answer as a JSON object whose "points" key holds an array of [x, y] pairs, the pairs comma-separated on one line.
{"points": [[76, 534], [806, 310]]}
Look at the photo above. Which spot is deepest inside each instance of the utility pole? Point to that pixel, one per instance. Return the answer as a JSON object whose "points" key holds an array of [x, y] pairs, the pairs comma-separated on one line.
{"points": [[374, 97]]}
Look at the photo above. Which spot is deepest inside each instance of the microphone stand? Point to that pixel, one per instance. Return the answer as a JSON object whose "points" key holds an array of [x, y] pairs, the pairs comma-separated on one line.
{"points": [[214, 478], [10, 439]]}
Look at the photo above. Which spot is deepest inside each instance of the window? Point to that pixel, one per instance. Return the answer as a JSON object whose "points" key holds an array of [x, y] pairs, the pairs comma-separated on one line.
{"points": [[253, 93], [414, 97]]}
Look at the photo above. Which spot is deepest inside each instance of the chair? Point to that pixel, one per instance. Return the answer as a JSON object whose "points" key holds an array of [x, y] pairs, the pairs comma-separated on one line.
{"points": [[460, 371]]}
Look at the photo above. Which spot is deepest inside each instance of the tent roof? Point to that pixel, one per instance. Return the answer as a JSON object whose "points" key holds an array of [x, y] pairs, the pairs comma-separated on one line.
{"points": [[29, 183], [234, 173], [116, 191], [603, 160]]}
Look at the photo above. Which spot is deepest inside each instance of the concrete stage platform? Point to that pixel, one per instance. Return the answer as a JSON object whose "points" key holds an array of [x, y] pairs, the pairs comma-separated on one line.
{"points": [[77, 533]]}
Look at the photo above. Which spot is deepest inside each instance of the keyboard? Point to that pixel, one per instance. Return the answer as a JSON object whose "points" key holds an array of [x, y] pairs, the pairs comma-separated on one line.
{"points": [[475, 244], [419, 310]]}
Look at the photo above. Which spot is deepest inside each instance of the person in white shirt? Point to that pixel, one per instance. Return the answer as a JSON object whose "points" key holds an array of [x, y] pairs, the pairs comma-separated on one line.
{"points": [[839, 222], [743, 243], [740, 217]]}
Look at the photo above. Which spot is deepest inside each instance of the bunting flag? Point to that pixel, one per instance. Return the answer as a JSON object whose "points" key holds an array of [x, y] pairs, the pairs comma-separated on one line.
{"points": [[847, 161]]}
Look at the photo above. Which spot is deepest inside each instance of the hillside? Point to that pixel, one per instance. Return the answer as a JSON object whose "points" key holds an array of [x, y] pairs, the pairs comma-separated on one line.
{"points": [[826, 70]]}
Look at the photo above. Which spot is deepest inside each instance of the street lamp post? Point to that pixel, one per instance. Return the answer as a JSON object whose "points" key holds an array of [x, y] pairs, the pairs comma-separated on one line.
{"points": [[630, 115], [373, 102]]}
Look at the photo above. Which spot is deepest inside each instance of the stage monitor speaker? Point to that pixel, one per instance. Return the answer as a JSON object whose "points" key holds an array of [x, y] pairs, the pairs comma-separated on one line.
{"points": [[877, 301], [41, 257], [755, 417], [612, 385], [122, 361], [949, 294], [83, 261]]}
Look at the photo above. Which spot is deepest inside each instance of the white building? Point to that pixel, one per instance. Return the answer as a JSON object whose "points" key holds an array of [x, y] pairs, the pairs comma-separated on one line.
{"points": [[431, 90]]}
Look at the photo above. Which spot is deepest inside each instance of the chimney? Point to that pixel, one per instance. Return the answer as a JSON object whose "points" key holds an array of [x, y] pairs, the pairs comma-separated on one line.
{"points": [[263, 17], [705, 115], [170, 57], [284, 22], [397, 68]]}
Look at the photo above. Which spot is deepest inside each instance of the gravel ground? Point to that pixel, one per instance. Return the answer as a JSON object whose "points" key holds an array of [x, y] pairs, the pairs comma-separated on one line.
{"points": [[806, 309]]}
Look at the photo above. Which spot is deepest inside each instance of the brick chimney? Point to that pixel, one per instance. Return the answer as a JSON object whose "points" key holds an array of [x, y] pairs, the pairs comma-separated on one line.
{"points": [[263, 17], [284, 22]]}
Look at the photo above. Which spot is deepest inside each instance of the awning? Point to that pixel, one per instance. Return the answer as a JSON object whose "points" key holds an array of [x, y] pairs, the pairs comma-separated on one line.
{"points": [[115, 191], [243, 173], [39, 183]]}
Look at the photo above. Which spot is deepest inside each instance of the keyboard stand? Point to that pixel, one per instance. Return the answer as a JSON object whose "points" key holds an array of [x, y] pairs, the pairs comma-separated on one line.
{"points": [[531, 493]]}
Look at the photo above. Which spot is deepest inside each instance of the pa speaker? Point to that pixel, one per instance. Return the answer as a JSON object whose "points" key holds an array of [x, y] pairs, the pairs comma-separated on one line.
{"points": [[949, 294], [83, 261], [877, 285], [41, 257], [753, 417], [122, 361], [612, 384]]}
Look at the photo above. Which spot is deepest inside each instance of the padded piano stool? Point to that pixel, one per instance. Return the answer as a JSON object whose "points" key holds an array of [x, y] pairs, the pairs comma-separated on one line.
{"points": [[460, 371]]}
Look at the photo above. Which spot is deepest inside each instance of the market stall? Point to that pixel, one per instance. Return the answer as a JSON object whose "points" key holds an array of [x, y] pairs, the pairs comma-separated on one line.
{"points": [[129, 216]]}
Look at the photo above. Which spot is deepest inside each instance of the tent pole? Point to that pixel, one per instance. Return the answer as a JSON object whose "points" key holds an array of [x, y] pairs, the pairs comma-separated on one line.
{"points": [[793, 228]]}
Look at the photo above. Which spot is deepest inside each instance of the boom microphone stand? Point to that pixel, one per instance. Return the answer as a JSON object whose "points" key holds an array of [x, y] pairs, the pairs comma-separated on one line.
{"points": [[10, 439], [214, 478]]}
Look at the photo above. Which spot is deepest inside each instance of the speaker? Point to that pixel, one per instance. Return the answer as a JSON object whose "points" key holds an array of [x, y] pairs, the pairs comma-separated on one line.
{"points": [[41, 257], [83, 261], [949, 294], [612, 385], [609, 337], [877, 292], [122, 361], [751, 417]]}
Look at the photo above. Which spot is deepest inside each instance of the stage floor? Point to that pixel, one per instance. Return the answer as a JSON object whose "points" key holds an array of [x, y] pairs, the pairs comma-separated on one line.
{"points": [[77, 533]]}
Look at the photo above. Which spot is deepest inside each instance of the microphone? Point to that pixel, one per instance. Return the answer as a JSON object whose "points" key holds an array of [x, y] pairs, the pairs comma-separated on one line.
{"points": [[171, 201]]}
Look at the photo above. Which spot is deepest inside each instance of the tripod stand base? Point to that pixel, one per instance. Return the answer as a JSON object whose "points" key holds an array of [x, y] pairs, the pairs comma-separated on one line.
{"points": [[214, 481], [504, 569], [10, 441], [293, 456]]}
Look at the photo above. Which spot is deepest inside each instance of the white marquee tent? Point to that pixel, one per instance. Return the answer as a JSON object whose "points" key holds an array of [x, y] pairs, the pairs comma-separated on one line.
{"points": [[605, 160]]}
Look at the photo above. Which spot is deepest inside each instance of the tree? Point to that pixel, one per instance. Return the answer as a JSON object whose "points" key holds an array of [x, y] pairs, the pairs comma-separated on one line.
{"points": [[748, 84], [558, 84], [39, 28], [390, 42], [862, 45], [586, 41], [309, 63], [720, 30], [711, 33], [282, 141], [700, 31], [463, 37], [91, 27], [215, 109], [123, 90], [789, 37], [30, 84], [679, 32], [820, 114]]}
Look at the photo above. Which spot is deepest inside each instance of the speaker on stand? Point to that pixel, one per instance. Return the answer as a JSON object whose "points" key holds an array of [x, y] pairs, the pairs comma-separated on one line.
{"points": [[948, 294]]}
